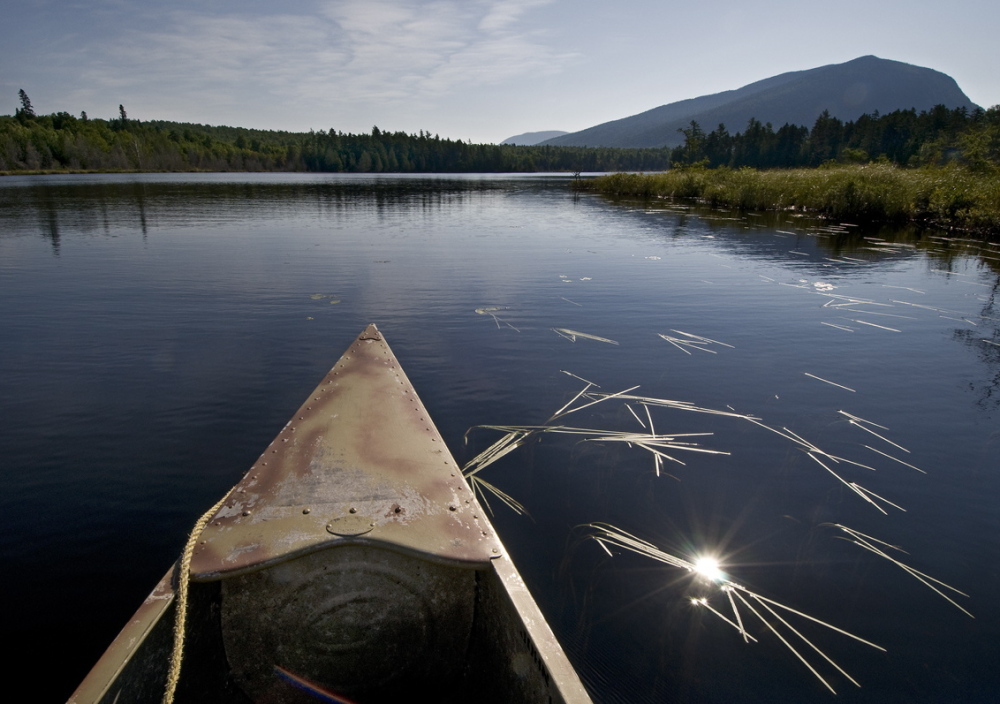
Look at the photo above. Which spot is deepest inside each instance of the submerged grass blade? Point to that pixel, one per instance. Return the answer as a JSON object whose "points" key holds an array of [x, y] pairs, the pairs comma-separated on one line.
{"points": [[865, 322], [895, 459], [674, 342], [479, 484], [702, 339], [786, 643], [857, 489], [630, 410], [738, 626], [859, 419], [668, 403], [508, 443], [866, 541], [596, 398], [611, 535], [691, 341], [586, 381], [736, 612], [845, 328], [869, 492], [570, 403], [815, 620], [880, 437], [571, 335], [827, 381]]}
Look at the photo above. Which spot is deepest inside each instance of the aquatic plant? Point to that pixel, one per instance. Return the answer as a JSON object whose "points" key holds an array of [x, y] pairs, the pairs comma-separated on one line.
{"points": [[952, 198], [660, 445], [711, 588], [872, 545], [747, 606]]}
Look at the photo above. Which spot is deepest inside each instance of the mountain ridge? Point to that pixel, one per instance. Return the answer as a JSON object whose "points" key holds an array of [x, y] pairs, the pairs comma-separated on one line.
{"points": [[529, 139], [847, 91]]}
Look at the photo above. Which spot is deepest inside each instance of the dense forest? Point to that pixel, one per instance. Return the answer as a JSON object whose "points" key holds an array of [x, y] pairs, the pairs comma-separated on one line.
{"points": [[64, 142], [905, 138]]}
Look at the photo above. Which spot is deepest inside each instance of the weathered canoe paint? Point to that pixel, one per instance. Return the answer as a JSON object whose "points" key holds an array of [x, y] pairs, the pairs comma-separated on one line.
{"points": [[353, 556], [360, 461]]}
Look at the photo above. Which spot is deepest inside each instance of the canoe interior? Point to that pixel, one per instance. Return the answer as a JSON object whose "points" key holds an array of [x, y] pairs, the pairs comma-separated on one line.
{"points": [[462, 634]]}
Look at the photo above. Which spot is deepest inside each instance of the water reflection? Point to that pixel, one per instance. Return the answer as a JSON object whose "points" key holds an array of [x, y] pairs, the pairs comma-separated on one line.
{"points": [[835, 241], [186, 317], [984, 341], [99, 204]]}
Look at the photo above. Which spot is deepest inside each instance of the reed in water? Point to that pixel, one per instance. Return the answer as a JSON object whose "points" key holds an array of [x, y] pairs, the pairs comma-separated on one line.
{"points": [[948, 197]]}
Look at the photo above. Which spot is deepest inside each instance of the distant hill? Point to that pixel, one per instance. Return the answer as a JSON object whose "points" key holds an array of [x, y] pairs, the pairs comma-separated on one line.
{"points": [[847, 90], [531, 138]]}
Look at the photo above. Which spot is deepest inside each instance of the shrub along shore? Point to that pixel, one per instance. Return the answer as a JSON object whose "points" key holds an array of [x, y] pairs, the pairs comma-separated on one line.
{"points": [[950, 198]]}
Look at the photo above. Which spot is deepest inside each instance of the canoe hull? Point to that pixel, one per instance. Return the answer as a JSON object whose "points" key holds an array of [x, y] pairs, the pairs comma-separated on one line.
{"points": [[351, 563]]}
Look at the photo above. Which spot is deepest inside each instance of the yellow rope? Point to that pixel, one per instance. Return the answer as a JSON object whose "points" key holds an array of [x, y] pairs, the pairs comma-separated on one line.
{"points": [[180, 616]]}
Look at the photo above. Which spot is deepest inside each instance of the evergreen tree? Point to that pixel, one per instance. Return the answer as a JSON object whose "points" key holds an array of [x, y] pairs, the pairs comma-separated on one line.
{"points": [[693, 149], [753, 147], [789, 145], [824, 140], [719, 146], [26, 111]]}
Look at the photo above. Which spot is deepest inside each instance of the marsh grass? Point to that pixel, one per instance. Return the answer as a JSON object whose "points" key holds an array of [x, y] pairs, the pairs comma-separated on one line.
{"points": [[951, 198]]}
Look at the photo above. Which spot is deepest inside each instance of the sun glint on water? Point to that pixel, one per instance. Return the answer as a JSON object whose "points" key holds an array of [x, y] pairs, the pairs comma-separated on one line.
{"points": [[708, 567]]}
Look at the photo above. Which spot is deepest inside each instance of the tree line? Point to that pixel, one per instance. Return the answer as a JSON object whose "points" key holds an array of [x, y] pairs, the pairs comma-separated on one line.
{"points": [[65, 142], [904, 137]]}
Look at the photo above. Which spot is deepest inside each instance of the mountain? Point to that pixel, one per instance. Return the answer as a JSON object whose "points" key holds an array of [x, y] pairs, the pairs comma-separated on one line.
{"points": [[847, 90], [530, 138]]}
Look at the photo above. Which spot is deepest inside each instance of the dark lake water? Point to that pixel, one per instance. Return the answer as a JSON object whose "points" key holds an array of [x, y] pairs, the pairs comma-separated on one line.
{"points": [[158, 331]]}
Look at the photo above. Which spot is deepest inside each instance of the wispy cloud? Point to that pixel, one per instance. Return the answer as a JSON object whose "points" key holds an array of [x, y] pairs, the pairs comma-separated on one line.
{"points": [[414, 51], [506, 13], [384, 52]]}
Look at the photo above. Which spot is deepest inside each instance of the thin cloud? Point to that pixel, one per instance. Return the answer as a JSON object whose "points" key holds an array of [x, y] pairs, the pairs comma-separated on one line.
{"points": [[380, 53], [437, 48], [506, 13]]}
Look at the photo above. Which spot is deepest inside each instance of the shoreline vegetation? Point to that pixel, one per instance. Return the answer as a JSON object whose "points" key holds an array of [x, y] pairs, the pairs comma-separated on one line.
{"points": [[938, 168], [953, 198], [62, 143], [66, 143]]}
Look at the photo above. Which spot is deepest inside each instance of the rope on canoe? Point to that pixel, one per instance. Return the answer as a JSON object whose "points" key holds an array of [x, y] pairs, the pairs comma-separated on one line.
{"points": [[180, 615]]}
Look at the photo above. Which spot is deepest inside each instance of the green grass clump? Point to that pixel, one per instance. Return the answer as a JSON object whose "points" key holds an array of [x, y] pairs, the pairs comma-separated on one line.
{"points": [[950, 197]]}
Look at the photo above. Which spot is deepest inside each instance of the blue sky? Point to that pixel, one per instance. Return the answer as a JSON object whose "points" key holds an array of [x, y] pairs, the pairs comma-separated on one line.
{"points": [[466, 69]]}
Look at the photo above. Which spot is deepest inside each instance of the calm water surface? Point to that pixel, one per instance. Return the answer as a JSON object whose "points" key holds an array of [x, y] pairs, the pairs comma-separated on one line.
{"points": [[158, 331]]}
